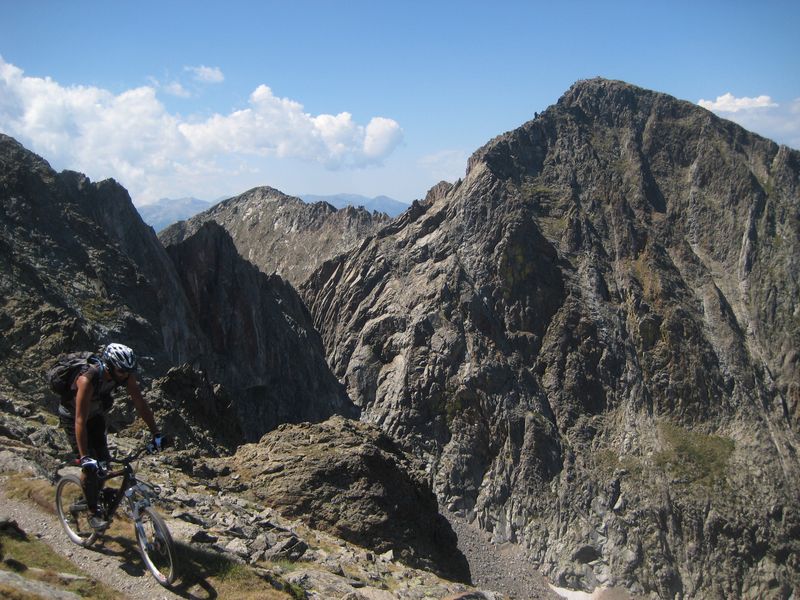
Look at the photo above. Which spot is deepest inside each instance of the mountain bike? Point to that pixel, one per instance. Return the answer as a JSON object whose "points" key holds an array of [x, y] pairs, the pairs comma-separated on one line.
{"points": [[155, 541]]}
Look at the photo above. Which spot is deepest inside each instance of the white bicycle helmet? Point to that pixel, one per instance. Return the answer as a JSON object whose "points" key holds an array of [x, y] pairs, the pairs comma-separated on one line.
{"points": [[120, 356]]}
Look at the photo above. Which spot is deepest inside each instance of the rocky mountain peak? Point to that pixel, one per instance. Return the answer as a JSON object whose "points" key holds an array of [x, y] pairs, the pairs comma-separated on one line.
{"points": [[601, 98], [609, 293], [18, 162], [282, 234]]}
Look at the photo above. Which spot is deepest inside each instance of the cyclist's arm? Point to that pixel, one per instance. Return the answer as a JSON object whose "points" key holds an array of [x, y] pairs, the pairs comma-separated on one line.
{"points": [[83, 399], [139, 402]]}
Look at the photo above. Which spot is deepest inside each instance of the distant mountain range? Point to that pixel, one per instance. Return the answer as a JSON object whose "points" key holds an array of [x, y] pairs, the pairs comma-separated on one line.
{"points": [[171, 210], [167, 211], [383, 204]]}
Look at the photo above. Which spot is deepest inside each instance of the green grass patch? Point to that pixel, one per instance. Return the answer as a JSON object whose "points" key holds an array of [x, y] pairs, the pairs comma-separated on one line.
{"points": [[692, 457], [36, 560], [39, 491], [10, 593], [607, 462], [96, 308], [537, 190], [204, 568], [51, 419], [284, 565], [32, 553]]}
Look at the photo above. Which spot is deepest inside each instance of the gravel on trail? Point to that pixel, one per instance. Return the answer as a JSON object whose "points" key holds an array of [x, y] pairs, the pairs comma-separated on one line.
{"points": [[123, 572]]}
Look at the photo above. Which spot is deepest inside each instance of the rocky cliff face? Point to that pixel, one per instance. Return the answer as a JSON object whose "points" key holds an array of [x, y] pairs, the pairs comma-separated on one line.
{"points": [[592, 341], [65, 281], [79, 268], [283, 234], [262, 339]]}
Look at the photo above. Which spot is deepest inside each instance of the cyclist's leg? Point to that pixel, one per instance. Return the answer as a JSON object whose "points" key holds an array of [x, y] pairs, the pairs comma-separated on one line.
{"points": [[95, 429], [98, 450], [98, 442]]}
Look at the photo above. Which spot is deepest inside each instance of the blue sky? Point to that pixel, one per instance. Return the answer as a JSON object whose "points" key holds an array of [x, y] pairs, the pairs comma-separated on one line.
{"points": [[209, 99]]}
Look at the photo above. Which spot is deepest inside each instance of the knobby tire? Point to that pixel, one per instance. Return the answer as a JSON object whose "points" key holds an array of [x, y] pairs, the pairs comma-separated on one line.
{"points": [[73, 511], [155, 543]]}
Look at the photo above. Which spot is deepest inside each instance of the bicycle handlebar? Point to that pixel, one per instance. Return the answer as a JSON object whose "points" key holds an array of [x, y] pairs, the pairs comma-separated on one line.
{"points": [[109, 474]]}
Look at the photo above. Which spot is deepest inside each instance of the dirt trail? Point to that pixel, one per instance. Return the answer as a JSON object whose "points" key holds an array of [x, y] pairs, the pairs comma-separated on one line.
{"points": [[122, 571]]}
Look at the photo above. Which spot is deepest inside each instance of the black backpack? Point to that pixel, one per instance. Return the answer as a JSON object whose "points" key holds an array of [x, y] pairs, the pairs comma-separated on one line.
{"points": [[61, 375]]}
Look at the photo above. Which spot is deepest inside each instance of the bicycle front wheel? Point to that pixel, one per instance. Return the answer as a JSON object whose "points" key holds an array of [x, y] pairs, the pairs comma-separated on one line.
{"points": [[73, 511], [155, 543]]}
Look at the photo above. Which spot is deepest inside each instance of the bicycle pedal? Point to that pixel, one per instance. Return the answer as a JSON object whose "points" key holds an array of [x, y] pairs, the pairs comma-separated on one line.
{"points": [[98, 523]]}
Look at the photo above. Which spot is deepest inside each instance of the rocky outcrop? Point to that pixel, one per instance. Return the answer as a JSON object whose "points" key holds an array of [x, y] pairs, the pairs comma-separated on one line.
{"points": [[262, 339], [351, 480], [218, 533], [591, 340], [197, 413], [282, 234]]}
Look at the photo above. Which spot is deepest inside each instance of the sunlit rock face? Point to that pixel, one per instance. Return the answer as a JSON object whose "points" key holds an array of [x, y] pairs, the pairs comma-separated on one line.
{"points": [[592, 341], [282, 234]]}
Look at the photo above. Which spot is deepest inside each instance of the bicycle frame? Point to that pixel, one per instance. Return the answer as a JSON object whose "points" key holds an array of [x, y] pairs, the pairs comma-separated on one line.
{"points": [[128, 488], [152, 534]]}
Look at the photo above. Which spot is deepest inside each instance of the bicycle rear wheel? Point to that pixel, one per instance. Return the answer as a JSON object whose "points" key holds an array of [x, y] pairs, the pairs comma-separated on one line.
{"points": [[155, 543], [73, 511]]}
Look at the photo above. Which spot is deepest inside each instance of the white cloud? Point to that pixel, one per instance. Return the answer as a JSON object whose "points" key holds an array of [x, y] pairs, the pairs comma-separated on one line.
{"points": [[730, 103], [274, 126], [382, 136], [206, 74], [132, 137], [176, 89], [762, 115]]}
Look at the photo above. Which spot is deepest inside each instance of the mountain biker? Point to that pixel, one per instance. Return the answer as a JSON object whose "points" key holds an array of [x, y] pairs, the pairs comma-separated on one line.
{"points": [[82, 416]]}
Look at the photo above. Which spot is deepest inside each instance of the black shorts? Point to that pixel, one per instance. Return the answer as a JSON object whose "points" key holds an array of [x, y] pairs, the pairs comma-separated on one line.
{"points": [[95, 432]]}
